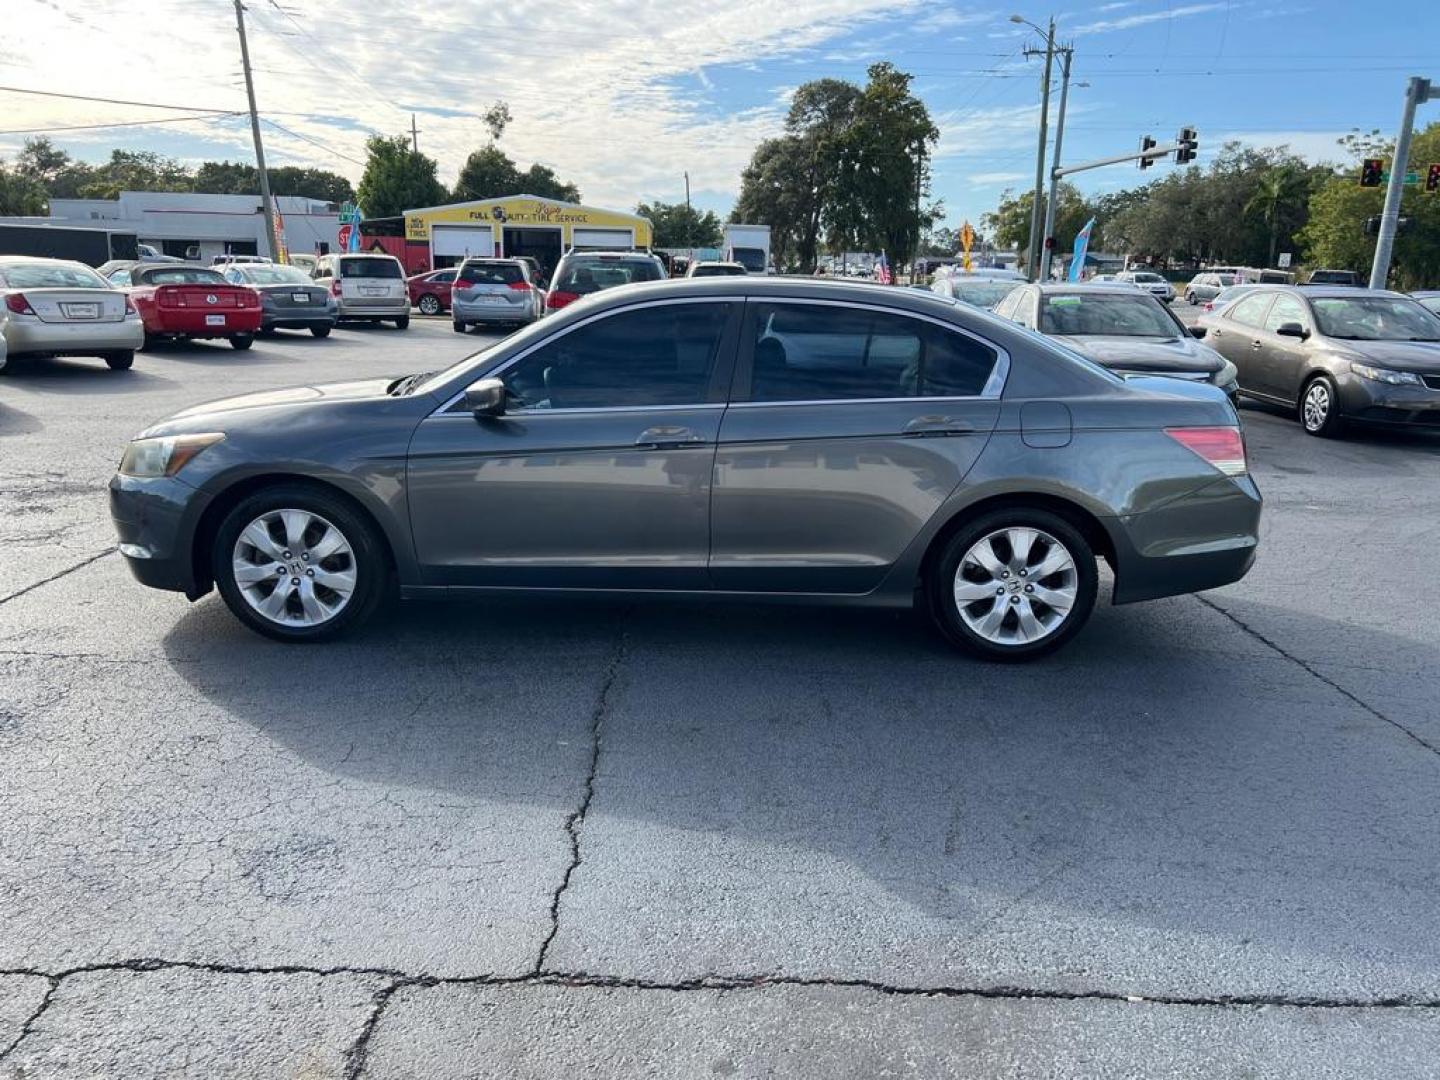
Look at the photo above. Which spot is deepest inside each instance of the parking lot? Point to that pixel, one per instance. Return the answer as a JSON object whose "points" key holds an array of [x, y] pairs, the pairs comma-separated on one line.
{"points": [[553, 839]]}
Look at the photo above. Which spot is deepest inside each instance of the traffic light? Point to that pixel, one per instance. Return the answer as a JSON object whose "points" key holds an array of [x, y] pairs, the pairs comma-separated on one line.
{"points": [[1370, 170], [1186, 144], [1145, 144], [1432, 178]]}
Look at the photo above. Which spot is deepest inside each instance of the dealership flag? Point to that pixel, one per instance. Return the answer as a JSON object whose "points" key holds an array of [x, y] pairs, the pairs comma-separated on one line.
{"points": [[882, 271], [1082, 243]]}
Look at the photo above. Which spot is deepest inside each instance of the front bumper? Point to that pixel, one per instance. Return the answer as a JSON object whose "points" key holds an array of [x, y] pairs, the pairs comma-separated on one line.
{"points": [[154, 522], [33, 335], [1199, 541], [1373, 402]]}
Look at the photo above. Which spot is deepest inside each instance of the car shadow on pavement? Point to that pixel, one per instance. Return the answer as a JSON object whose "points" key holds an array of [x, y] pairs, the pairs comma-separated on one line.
{"points": [[80, 374], [15, 422], [214, 352], [1166, 794]]}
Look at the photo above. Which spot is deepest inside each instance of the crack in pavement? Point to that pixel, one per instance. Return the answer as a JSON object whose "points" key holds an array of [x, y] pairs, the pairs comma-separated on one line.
{"points": [[1305, 666], [357, 1056], [30, 1020], [58, 575], [576, 820]]}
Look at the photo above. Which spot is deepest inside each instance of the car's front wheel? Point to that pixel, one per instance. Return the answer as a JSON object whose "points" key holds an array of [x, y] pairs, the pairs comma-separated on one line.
{"points": [[429, 304], [1320, 408], [1013, 584], [297, 563]]}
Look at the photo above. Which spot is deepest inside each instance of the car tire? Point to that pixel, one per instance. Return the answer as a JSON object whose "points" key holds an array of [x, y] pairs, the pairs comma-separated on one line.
{"points": [[150, 343], [402, 322], [241, 342], [459, 327], [957, 574], [119, 360], [361, 557], [1319, 408], [1190, 298], [321, 331], [429, 304]]}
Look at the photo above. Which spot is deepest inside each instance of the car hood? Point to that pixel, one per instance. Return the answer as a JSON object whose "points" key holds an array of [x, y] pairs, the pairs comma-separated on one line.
{"points": [[358, 390], [1421, 356], [1146, 353]]}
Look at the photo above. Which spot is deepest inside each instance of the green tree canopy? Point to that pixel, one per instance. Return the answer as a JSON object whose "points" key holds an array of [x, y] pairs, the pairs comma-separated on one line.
{"points": [[680, 226], [20, 195], [241, 178], [489, 173], [396, 178]]}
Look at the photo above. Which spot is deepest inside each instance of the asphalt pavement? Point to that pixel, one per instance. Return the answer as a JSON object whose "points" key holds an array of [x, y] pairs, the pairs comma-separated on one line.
{"points": [[554, 839]]}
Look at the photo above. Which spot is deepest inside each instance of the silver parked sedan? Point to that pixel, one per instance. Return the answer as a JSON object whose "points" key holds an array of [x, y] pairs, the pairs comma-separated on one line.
{"points": [[824, 442], [54, 307]]}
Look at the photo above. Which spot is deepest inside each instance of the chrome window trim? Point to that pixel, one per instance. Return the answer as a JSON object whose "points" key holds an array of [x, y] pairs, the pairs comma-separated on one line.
{"points": [[548, 339], [994, 385]]}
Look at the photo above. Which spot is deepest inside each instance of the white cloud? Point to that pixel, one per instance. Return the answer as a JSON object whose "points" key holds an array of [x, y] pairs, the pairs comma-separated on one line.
{"points": [[1128, 22], [980, 178], [1316, 147]]}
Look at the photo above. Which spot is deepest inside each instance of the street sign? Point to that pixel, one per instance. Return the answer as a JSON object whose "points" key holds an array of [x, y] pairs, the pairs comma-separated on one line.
{"points": [[1283, 262], [1411, 178], [344, 237]]}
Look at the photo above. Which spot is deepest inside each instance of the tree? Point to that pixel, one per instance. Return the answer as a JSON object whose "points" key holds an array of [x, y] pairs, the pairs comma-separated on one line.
{"points": [[397, 178], [1279, 195], [772, 193], [20, 195], [488, 173], [541, 180], [677, 225], [242, 178], [496, 119]]}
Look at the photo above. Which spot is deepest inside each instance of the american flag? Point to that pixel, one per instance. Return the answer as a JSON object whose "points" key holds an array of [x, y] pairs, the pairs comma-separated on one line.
{"points": [[882, 271]]}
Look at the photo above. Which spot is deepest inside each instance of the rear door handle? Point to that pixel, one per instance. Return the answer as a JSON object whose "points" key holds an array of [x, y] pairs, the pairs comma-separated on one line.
{"points": [[665, 436], [923, 426]]}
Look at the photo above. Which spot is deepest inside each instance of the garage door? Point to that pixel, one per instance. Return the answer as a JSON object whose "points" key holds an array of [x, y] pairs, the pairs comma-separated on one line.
{"points": [[461, 240], [603, 238]]}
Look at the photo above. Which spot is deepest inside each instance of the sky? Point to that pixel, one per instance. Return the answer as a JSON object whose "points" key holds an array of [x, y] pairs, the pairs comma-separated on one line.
{"points": [[623, 97]]}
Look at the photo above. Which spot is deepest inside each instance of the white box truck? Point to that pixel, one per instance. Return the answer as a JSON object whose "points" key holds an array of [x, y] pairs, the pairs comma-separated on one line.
{"points": [[749, 245]]}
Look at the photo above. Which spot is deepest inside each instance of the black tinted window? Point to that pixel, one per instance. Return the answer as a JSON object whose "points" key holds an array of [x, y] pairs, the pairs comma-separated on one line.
{"points": [[661, 355], [370, 268], [814, 353]]}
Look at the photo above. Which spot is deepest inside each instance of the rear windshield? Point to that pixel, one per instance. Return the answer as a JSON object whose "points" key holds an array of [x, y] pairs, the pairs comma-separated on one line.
{"points": [[718, 270], [370, 268], [42, 276], [179, 275], [982, 293], [753, 259], [1105, 315], [584, 276], [275, 275], [493, 273]]}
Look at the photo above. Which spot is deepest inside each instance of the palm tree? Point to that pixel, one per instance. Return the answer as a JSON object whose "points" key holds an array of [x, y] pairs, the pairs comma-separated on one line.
{"points": [[1278, 192]]}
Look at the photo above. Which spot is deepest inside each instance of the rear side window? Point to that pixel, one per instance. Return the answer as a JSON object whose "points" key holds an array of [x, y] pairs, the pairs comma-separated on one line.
{"points": [[494, 273], [808, 352], [1251, 310], [370, 268]]}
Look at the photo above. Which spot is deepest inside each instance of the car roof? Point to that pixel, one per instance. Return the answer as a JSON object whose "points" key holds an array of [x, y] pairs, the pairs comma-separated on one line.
{"points": [[1332, 291], [1057, 288], [761, 287], [39, 260]]}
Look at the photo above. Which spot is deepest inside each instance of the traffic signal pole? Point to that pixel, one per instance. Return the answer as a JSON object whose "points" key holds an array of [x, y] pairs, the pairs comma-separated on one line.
{"points": [[1416, 92]]}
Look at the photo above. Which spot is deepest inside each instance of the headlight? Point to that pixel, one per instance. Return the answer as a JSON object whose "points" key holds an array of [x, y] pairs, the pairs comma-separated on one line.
{"points": [[164, 456], [1385, 375]]}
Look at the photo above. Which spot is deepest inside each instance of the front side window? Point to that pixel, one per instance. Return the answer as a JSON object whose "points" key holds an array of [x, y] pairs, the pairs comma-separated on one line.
{"points": [[664, 354], [1287, 309], [1251, 310], [808, 352]]}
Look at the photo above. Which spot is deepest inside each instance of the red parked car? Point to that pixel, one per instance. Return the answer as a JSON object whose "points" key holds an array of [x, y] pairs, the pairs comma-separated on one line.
{"points": [[430, 292], [181, 300]]}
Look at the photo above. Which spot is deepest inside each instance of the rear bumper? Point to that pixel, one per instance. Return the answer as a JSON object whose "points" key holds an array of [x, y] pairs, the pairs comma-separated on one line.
{"points": [[296, 321], [194, 324], [34, 336], [154, 520], [1199, 541], [380, 307], [477, 311]]}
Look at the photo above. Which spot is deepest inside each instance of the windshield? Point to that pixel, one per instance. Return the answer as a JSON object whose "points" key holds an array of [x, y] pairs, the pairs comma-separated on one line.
{"points": [[584, 276], [179, 275], [982, 293], [370, 268], [1148, 279], [51, 276], [1374, 318], [275, 275], [1104, 315]]}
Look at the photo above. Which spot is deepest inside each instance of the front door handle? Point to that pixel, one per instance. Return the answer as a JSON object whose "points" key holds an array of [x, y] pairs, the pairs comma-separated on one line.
{"points": [[667, 436], [1256, 345], [923, 426]]}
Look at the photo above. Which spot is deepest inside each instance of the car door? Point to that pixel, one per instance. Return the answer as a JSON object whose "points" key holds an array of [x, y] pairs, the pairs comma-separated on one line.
{"points": [[598, 474], [1282, 359], [849, 426], [1236, 335]]}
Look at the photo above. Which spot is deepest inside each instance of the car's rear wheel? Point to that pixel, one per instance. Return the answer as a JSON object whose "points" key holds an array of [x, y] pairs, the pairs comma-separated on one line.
{"points": [[429, 304], [1320, 408], [320, 331], [459, 326], [402, 322], [150, 342], [241, 341], [1190, 298], [297, 563], [120, 359], [1013, 584]]}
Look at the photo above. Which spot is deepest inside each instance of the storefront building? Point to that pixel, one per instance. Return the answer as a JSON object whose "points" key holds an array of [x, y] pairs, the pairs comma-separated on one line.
{"points": [[543, 229]]}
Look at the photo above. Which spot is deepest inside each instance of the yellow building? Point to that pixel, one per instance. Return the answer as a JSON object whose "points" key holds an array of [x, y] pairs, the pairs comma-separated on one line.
{"points": [[520, 225]]}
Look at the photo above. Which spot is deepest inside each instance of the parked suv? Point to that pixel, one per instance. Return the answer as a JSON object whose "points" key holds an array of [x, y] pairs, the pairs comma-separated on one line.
{"points": [[490, 290], [582, 273], [1151, 282], [366, 287]]}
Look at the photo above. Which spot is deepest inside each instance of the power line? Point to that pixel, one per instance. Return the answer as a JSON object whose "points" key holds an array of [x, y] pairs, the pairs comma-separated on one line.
{"points": [[124, 124], [313, 142], [109, 101]]}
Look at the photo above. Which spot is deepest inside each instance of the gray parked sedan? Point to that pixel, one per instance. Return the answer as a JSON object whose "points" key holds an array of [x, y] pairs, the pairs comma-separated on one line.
{"points": [[289, 300], [722, 437], [1334, 353]]}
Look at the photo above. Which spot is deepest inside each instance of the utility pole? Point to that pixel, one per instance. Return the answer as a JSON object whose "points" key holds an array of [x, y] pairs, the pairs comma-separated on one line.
{"points": [[687, 190], [266, 203], [414, 135], [1416, 92], [1033, 251], [1047, 237]]}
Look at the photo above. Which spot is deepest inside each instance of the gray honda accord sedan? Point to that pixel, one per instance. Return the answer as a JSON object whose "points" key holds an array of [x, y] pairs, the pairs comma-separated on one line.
{"points": [[737, 437]]}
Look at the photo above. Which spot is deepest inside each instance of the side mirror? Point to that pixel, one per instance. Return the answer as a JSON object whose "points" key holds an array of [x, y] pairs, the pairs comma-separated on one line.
{"points": [[1292, 329], [486, 398], [1199, 331]]}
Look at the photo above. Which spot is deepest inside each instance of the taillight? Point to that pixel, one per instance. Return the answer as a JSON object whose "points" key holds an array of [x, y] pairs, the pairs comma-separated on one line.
{"points": [[168, 297], [335, 287], [520, 286], [17, 303], [249, 298], [558, 299], [130, 308], [1222, 447]]}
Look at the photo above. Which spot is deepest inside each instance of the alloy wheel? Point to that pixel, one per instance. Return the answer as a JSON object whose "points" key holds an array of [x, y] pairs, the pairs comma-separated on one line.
{"points": [[1016, 585], [294, 567], [429, 305], [1316, 408]]}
